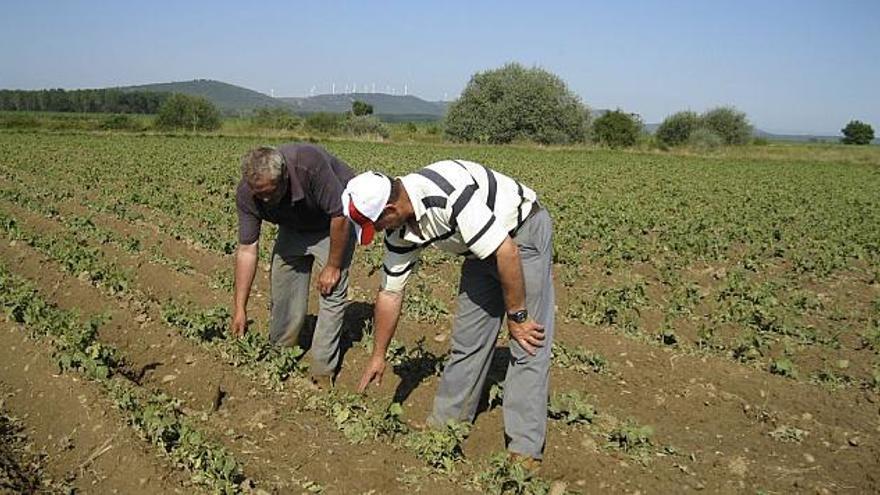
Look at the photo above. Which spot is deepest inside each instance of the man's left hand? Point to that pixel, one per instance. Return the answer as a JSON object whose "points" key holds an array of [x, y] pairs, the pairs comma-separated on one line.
{"points": [[328, 279], [528, 334]]}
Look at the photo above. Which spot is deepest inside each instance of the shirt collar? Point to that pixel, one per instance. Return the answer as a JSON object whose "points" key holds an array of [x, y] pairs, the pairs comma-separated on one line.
{"points": [[416, 192]]}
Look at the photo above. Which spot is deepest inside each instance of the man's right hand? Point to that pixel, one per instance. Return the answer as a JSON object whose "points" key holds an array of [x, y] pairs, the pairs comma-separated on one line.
{"points": [[239, 323], [373, 373]]}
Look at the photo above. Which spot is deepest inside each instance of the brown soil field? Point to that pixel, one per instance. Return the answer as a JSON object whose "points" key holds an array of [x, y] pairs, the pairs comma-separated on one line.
{"points": [[717, 425]]}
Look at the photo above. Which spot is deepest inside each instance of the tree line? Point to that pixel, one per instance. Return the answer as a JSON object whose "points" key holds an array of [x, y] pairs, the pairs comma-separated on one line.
{"points": [[82, 100], [510, 104]]}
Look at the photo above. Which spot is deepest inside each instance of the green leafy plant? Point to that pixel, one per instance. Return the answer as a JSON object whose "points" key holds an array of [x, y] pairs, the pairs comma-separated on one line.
{"points": [[506, 476], [572, 408], [630, 437], [210, 327], [578, 359], [785, 433], [783, 367], [496, 395], [358, 419], [440, 448]]}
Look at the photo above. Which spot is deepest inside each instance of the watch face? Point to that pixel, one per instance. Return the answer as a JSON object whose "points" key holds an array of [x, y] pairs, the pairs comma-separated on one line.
{"points": [[519, 316]]}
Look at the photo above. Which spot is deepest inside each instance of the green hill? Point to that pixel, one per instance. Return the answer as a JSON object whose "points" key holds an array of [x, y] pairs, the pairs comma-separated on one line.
{"points": [[389, 107], [230, 99]]}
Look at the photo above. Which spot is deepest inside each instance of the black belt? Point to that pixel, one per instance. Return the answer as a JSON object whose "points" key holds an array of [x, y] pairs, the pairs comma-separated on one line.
{"points": [[536, 207]]}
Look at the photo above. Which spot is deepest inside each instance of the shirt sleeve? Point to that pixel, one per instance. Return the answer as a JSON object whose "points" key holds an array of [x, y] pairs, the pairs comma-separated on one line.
{"points": [[481, 231], [400, 261], [248, 222]]}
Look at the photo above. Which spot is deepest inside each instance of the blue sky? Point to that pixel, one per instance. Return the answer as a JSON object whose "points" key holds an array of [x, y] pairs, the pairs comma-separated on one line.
{"points": [[792, 66]]}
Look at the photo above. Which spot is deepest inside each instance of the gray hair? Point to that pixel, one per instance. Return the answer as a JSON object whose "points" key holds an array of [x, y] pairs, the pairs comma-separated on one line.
{"points": [[262, 163]]}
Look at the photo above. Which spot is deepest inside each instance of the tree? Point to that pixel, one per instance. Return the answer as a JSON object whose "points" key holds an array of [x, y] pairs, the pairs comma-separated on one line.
{"points": [[324, 122], [729, 123], [857, 132], [704, 139], [360, 108], [108, 100], [677, 128], [275, 118], [360, 125], [617, 129], [513, 102], [182, 111]]}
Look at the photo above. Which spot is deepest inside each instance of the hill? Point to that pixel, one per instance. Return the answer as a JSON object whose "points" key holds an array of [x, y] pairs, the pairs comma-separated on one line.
{"points": [[232, 99], [758, 133], [229, 98], [385, 106]]}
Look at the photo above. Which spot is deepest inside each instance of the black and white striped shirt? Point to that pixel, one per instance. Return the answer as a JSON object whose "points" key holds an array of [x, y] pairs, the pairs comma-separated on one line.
{"points": [[461, 207]]}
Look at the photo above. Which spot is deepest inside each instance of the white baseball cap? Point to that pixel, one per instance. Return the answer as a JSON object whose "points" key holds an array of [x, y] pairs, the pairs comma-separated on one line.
{"points": [[363, 200]]}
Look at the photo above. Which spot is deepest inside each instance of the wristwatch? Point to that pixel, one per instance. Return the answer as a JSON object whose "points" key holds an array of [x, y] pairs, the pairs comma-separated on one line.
{"points": [[518, 316]]}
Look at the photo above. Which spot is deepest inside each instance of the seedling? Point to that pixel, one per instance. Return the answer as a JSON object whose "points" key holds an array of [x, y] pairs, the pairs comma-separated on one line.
{"points": [[572, 408]]}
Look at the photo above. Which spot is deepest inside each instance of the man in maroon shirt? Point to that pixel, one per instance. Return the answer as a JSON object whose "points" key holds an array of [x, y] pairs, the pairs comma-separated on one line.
{"points": [[298, 187]]}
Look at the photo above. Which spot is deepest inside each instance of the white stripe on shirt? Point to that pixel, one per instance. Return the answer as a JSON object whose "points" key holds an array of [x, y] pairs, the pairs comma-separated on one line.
{"points": [[461, 207]]}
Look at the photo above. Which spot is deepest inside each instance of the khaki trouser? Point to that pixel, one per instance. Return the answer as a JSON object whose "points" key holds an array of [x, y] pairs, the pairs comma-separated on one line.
{"points": [[292, 259], [480, 314]]}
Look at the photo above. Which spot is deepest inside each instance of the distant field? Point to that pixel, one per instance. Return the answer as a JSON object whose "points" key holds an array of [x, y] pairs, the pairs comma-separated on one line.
{"points": [[718, 322]]}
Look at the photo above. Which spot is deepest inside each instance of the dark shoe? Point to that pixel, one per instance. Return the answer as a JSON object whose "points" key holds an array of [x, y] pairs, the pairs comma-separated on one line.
{"points": [[530, 464]]}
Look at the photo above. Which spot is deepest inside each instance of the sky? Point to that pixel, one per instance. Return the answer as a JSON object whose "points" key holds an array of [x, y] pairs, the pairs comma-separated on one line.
{"points": [[792, 66]]}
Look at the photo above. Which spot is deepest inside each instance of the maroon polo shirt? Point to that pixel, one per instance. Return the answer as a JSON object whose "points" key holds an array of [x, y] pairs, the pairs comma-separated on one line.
{"points": [[317, 180]]}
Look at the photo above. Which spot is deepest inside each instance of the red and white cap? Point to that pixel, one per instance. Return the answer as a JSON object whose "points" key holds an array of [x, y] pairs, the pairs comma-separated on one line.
{"points": [[363, 200]]}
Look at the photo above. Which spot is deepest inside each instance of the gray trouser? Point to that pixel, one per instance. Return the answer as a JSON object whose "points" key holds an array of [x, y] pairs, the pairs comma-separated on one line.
{"points": [[480, 314], [292, 260]]}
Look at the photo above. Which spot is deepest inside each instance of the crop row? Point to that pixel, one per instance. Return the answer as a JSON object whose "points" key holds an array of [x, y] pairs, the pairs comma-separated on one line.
{"points": [[157, 417], [356, 417], [763, 319]]}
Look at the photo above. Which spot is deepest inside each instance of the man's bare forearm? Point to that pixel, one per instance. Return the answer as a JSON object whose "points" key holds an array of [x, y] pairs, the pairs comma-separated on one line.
{"points": [[385, 315], [339, 231], [245, 268], [511, 274]]}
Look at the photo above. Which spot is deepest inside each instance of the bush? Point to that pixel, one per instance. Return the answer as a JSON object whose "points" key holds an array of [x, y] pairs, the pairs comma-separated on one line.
{"points": [[366, 124], [182, 111], [617, 129], [276, 118], [677, 128], [324, 122], [728, 123], [360, 108], [857, 132], [705, 139], [21, 120], [121, 122], [516, 103]]}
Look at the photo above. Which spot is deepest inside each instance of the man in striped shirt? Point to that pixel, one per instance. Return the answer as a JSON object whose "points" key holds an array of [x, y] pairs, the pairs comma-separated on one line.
{"points": [[507, 240]]}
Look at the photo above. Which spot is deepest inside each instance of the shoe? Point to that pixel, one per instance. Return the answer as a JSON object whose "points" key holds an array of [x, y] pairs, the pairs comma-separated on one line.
{"points": [[322, 382], [419, 426], [530, 464]]}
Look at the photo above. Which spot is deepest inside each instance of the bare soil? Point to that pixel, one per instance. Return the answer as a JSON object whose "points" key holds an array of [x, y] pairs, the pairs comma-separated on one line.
{"points": [[720, 426]]}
